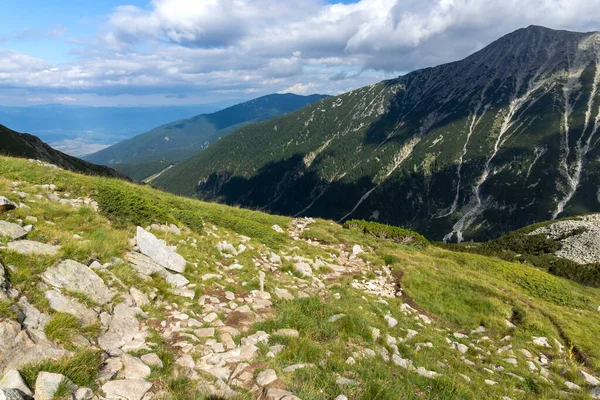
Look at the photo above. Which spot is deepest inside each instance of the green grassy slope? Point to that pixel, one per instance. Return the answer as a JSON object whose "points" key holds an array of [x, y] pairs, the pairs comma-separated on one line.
{"points": [[458, 292], [467, 150], [180, 139]]}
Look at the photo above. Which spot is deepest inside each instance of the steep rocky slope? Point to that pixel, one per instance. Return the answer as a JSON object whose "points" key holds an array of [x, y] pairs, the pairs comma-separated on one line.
{"points": [[467, 150], [117, 291], [180, 139], [28, 146]]}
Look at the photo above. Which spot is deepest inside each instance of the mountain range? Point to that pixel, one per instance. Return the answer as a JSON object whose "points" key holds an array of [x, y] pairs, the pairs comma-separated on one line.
{"points": [[466, 150], [23, 145], [180, 139]]}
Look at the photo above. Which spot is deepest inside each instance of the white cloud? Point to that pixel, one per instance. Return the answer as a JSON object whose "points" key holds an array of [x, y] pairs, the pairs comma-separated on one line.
{"points": [[65, 99], [249, 47]]}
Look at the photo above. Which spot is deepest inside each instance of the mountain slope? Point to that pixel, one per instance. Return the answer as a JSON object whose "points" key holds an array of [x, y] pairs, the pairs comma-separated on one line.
{"points": [[267, 306], [467, 150], [180, 139], [23, 145]]}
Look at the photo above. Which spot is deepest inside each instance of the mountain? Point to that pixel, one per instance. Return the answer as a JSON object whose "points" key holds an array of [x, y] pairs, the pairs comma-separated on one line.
{"points": [[121, 291], [23, 145], [80, 130], [467, 150], [181, 139]]}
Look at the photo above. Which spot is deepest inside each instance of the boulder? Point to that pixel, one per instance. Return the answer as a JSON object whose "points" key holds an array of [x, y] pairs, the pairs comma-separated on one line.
{"points": [[177, 280], [145, 266], [280, 394], [590, 379], [71, 275], [13, 380], [61, 303], [12, 231], [152, 360], [283, 294], [134, 368], [47, 384], [123, 328], [126, 389], [6, 205], [139, 297], [12, 394], [29, 247], [266, 377], [303, 268], [159, 252], [34, 319], [84, 393], [30, 348]]}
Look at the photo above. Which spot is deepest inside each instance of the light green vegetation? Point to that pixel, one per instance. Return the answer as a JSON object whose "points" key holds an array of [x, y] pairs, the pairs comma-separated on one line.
{"points": [[457, 291]]}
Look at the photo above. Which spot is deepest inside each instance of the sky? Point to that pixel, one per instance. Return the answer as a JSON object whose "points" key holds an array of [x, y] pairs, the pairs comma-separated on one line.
{"points": [[175, 52]]}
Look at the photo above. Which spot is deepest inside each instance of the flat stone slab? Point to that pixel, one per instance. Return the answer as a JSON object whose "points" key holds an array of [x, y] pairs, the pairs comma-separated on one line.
{"points": [[159, 252], [126, 389], [61, 303], [77, 277], [13, 231], [30, 247]]}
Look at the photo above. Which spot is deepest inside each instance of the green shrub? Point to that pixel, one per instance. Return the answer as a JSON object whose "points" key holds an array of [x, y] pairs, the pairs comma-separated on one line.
{"points": [[388, 232], [319, 236]]}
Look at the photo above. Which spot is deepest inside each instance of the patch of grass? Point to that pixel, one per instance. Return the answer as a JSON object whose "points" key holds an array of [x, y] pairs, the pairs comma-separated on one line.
{"points": [[319, 236], [64, 391], [6, 310], [62, 327], [82, 368]]}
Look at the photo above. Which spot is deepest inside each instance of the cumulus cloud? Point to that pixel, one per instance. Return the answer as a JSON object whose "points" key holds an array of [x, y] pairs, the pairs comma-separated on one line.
{"points": [[65, 99], [261, 46]]}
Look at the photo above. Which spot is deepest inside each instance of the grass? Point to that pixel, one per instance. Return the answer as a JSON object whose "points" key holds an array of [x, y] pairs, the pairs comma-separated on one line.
{"points": [[6, 309], [82, 368], [62, 327], [388, 232]]}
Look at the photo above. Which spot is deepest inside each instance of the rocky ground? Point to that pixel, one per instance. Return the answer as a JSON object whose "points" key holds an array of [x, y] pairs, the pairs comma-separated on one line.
{"points": [[580, 238], [207, 311]]}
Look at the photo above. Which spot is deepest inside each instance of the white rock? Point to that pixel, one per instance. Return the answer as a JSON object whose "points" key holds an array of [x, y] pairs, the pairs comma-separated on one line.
{"points": [[159, 252], [84, 393], [47, 383], [287, 332], [572, 385], [139, 297], [589, 379], [152, 360], [335, 317], [13, 380], [283, 294], [392, 322], [77, 277], [12, 231], [6, 204], [177, 280], [134, 368], [60, 303], [126, 389], [356, 250], [29, 247], [303, 268], [266, 377]]}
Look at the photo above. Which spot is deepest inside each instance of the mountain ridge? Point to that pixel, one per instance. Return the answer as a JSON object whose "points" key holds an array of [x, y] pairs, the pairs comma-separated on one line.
{"points": [[449, 151], [179, 139]]}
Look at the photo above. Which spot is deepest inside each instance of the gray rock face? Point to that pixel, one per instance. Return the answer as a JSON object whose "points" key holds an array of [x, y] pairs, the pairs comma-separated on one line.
{"points": [[6, 204], [152, 360], [123, 328], [145, 266], [3, 281], [159, 252], [60, 303], [303, 268], [266, 377], [34, 319], [13, 231], [126, 389], [134, 368], [13, 341], [11, 394], [13, 380], [77, 277], [46, 385], [29, 247]]}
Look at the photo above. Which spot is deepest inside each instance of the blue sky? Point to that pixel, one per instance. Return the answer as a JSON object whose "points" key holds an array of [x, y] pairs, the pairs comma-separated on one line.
{"points": [[152, 52]]}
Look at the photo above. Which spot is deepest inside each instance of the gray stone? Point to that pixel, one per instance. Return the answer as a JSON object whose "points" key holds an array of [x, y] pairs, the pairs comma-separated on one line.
{"points": [[134, 368], [595, 393], [177, 280], [34, 319], [13, 380], [280, 394], [84, 393], [266, 377], [303, 268], [47, 383], [29, 247], [11, 394], [126, 389], [341, 381], [341, 397], [152, 360], [14, 340], [287, 332], [6, 205], [139, 297], [77, 277], [283, 294], [60, 303], [12, 231], [572, 385], [124, 328], [205, 332], [145, 266], [159, 252], [589, 379]]}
